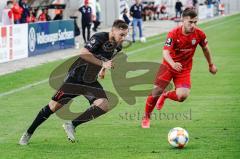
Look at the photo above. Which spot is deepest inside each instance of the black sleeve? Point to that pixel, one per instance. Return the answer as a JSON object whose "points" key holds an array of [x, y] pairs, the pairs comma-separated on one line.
{"points": [[80, 9], [93, 44], [131, 10]]}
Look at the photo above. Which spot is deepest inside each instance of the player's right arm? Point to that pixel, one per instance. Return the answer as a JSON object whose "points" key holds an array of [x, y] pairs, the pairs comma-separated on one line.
{"points": [[168, 47], [175, 65], [89, 57], [91, 48]]}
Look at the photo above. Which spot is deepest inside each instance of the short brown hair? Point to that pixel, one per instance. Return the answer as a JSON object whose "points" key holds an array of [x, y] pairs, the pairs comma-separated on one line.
{"points": [[191, 12], [9, 2], [120, 24]]}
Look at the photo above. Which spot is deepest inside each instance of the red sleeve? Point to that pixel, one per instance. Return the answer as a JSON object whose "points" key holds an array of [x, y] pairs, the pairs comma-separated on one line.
{"points": [[203, 41], [169, 44], [10, 14]]}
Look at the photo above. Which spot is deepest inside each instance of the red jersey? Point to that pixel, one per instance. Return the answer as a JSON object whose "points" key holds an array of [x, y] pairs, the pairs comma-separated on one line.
{"points": [[182, 47], [17, 12], [42, 17], [31, 19]]}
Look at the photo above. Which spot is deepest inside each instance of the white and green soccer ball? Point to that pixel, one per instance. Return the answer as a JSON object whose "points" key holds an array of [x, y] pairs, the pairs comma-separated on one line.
{"points": [[178, 137]]}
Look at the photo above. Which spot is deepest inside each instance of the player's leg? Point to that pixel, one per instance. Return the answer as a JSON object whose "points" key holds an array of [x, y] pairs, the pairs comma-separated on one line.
{"points": [[42, 116], [140, 28], [58, 100], [182, 84], [83, 32], [99, 105], [134, 23], [182, 94], [88, 31], [162, 80], [150, 104], [98, 108]]}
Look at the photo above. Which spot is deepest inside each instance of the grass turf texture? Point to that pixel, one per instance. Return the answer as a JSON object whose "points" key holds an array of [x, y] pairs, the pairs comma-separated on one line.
{"points": [[213, 124]]}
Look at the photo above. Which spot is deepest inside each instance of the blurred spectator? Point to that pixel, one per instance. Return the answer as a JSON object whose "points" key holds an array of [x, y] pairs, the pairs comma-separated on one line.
{"points": [[195, 3], [59, 15], [209, 2], [136, 12], [31, 17], [146, 12], [154, 11], [44, 16], [86, 11], [189, 4], [23, 4], [125, 16], [7, 14], [17, 12], [178, 8], [97, 21], [163, 11]]}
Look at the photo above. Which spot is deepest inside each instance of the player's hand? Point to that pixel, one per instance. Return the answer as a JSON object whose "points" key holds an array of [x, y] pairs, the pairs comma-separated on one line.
{"points": [[102, 73], [212, 69], [177, 66], [108, 64]]}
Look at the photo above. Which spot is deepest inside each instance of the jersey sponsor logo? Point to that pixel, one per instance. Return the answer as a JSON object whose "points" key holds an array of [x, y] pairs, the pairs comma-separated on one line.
{"points": [[109, 46], [194, 41], [168, 42], [92, 41]]}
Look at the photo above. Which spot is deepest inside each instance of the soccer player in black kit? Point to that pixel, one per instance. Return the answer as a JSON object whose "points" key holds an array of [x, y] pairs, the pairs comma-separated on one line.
{"points": [[96, 56]]}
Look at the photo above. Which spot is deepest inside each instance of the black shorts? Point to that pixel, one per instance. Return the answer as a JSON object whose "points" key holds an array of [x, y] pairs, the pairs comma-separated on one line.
{"points": [[72, 89]]}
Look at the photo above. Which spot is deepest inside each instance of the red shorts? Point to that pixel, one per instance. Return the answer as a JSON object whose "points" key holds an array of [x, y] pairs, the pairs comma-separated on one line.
{"points": [[166, 74]]}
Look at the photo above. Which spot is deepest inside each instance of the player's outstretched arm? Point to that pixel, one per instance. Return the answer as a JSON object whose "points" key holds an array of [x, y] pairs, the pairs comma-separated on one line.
{"points": [[88, 56], [175, 65], [207, 54]]}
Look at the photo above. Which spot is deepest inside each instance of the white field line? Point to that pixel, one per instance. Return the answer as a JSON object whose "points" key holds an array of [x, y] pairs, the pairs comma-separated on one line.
{"points": [[129, 54]]}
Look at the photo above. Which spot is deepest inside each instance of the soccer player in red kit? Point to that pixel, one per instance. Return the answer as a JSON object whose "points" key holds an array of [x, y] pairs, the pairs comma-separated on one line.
{"points": [[178, 52]]}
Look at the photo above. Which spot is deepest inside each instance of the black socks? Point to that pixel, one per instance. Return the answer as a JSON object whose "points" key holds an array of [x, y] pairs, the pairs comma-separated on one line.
{"points": [[90, 114], [43, 115]]}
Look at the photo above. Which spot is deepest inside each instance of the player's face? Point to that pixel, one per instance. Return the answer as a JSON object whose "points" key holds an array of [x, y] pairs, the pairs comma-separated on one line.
{"points": [[119, 35], [138, 1], [10, 6], [189, 24]]}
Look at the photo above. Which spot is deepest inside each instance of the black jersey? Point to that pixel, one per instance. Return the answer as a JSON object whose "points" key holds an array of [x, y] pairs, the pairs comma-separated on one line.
{"points": [[86, 14], [100, 46], [136, 11]]}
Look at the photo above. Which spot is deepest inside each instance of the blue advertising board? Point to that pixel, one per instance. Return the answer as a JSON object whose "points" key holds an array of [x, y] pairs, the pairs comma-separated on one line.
{"points": [[50, 36]]}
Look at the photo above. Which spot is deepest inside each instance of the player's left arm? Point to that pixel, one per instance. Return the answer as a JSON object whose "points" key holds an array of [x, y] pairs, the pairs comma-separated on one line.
{"points": [[208, 56], [102, 73]]}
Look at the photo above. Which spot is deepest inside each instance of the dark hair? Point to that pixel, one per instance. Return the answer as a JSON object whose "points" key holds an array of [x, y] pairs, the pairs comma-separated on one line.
{"points": [[9, 2], [191, 12], [120, 24]]}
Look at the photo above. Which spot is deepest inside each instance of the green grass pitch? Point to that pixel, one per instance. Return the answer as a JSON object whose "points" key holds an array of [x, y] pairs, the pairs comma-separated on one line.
{"points": [[212, 112]]}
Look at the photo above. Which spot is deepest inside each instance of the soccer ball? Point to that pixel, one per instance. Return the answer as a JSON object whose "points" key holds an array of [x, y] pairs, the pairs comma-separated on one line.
{"points": [[143, 39], [178, 137]]}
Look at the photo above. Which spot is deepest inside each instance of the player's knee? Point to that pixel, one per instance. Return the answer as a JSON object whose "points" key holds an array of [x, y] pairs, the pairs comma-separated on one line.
{"points": [[102, 103], [182, 97], [157, 91], [54, 106]]}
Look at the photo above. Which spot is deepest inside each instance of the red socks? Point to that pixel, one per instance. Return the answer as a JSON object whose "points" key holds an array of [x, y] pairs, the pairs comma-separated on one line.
{"points": [[150, 104], [172, 95]]}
